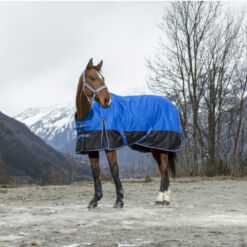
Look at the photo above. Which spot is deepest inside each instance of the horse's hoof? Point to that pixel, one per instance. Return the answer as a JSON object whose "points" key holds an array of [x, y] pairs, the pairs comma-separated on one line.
{"points": [[163, 203], [118, 204], [166, 202], [92, 205], [160, 203]]}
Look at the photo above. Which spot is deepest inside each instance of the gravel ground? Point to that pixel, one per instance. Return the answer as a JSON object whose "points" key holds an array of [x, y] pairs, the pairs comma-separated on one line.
{"points": [[202, 213]]}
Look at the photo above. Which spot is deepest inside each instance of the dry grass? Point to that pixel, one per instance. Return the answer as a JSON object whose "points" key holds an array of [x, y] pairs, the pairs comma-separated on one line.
{"points": [[8, 186], [147, 179]]}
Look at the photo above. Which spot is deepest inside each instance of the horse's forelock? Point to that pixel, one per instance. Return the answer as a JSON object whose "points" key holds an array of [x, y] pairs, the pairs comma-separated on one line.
{"points": [[95, 67]]}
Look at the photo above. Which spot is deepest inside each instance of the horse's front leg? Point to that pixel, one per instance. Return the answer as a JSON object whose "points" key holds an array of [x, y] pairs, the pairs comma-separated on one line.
{"points": [[94, 160], [112, 159], [161, 158]]}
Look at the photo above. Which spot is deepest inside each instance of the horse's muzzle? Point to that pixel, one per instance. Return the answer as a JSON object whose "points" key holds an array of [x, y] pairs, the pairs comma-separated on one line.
{"points": [[107, 103]]}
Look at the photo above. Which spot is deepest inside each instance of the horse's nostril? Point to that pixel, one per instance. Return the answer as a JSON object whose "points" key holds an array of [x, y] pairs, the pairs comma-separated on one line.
{"points": [[106, 101]]}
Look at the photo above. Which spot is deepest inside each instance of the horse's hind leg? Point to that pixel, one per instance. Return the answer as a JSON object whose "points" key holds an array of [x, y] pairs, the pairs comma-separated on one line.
{"points": [[161, 158], [112, 159], [94, 160]]}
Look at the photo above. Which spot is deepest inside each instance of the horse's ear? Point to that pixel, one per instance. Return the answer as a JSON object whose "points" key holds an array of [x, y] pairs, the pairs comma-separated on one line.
{"points": [[90, 64], [99, 66]]}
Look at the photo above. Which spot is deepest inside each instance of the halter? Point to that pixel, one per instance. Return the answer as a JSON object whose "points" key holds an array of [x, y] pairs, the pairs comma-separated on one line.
{"points": [[90, 88]]}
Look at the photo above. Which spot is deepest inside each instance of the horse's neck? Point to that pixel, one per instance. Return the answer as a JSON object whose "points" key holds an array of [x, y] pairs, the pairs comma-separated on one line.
{"points": [[83, 106]]}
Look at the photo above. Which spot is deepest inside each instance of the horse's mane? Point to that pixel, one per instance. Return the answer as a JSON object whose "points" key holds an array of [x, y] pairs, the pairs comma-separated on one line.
{"points": [[83, 106]]}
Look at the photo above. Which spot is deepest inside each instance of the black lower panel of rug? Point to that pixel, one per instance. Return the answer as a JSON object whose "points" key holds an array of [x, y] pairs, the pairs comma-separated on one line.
{"points": [[137, 140]]}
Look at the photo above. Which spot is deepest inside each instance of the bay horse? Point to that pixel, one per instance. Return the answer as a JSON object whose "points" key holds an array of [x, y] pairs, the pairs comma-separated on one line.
{"points": [[91, 87]]}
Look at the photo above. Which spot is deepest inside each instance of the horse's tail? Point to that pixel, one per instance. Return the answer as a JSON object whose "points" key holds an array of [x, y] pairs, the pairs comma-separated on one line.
{"points": [[172, 160], [182, 122]]}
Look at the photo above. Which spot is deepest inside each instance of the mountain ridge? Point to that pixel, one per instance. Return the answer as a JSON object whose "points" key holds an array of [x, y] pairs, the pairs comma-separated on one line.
{"points": [[26, 158]]}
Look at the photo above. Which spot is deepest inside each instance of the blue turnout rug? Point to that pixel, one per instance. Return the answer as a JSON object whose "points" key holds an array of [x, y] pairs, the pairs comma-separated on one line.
{"points": [[140, 122]]}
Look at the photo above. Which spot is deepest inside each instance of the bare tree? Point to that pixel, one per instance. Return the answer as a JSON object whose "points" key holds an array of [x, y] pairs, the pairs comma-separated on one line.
{"points": [[224, 53], [179, 67], [196, 68], [241, 83]]}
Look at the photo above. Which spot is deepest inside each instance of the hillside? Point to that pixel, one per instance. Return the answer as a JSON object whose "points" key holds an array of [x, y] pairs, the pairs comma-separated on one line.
{"points": [[25, 158]]}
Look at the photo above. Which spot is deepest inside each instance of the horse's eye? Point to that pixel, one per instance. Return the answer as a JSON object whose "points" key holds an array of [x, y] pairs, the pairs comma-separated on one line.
{"points": [[92, 78]]}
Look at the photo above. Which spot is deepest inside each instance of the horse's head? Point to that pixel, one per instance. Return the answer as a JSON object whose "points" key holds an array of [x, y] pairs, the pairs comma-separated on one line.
{"points": [[94, 84]]}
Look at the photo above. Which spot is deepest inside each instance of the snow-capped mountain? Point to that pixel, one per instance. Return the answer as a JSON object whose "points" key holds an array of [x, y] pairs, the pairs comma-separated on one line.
{"points": [[55, 125]]}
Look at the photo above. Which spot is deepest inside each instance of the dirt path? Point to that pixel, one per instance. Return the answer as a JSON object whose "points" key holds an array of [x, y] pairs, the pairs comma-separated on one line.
{"points": [[202, 213]]}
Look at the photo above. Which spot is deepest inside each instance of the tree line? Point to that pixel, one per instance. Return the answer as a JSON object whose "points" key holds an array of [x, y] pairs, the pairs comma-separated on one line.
{"points": [[201, 66]]}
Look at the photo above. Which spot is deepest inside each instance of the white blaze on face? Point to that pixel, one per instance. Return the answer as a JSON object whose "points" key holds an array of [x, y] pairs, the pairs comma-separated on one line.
{"points": [[100, 76], [109, 103]]}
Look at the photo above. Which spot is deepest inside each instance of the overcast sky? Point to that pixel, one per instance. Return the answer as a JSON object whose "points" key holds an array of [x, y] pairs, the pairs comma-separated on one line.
{"points": [[44, 47]]}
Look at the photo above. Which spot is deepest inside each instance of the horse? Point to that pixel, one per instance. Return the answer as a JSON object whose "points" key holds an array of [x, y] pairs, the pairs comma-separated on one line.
{"points": [[91, 88]]}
